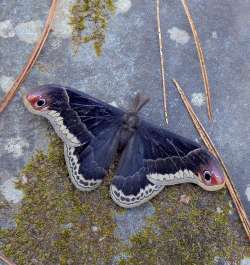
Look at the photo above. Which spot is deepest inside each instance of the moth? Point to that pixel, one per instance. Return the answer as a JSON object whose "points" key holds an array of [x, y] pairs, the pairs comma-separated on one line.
{"points": [[94, 132]]}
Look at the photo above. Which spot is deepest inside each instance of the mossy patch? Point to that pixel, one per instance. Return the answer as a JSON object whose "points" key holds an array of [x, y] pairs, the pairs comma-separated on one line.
{"points": [[190, 234], [89, 20], [57, 224]]}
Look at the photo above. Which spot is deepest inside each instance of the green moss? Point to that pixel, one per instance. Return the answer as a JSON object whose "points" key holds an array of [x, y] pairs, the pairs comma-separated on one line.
{"points": [[122, 261], [189, 234], [89, 21], [54, 223]]}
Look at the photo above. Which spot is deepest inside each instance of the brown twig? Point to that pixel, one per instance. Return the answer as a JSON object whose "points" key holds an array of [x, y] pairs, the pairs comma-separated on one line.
{"points": [[208, 142], [5, 260], [164, 87], [32, 59], [201, 58]]}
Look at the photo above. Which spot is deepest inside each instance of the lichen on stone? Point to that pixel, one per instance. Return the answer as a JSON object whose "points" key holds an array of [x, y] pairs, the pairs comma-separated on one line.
{"points": [[189, 234], [89, 21], [54, 224]]}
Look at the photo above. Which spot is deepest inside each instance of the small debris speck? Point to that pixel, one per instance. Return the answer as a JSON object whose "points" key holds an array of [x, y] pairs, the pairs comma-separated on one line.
{"points": [[94, 229], [24, 180], [214, 35], [67, 226], [219, 210], [114, 104], [185, 199]]}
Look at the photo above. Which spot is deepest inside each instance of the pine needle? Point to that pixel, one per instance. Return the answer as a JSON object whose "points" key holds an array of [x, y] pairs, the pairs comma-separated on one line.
{"points": [[32, 59], [201, 58], [164, 87], [5, 260], [209, 144]]}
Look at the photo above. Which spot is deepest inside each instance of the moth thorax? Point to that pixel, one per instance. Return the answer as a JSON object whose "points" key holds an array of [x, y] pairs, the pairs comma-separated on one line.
{"points": [[130, 121], [129, 126]]}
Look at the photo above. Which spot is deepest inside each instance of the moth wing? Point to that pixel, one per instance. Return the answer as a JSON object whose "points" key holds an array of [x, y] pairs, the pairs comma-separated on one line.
{"points": [[88, 164], [130, 186], [152, 151], [97, 126], [169, 157], [94, 114], [79, 118]]}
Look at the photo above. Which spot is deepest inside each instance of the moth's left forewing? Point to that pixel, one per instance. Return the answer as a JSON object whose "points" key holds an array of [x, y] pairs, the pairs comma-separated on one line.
{"points": [[69, 127], [79, 118]]}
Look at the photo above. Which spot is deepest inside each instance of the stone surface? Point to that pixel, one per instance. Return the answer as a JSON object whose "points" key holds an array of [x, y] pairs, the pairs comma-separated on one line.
{"points": [[10, 193], [245, 261], [130, 63], [132, 221], [6, 29]]}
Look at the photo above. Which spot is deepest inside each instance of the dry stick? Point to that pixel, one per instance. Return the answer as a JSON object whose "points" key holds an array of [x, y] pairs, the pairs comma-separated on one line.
{"points": [[208, 142], [32, 59], [164, 87], [201, 58], [5, 260]]}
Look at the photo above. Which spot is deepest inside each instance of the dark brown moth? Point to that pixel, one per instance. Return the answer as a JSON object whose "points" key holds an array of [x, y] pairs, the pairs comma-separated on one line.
{"points": [[94, 132]]}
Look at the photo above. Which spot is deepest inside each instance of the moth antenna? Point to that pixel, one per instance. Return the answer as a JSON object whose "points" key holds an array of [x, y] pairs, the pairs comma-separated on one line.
{"points": [[139, 102]]}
